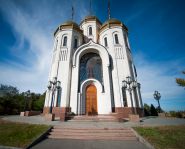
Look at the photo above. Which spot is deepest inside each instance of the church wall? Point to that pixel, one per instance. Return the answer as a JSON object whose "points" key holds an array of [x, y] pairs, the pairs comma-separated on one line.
{"points": [[85, 27], [65, 66], [120, 58]]}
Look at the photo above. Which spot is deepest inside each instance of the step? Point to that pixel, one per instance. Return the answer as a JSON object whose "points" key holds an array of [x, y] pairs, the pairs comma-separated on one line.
{"points": [[90, 131], [92, 134], [92, 137], [90, 128], [60, 132], [95, 118]]}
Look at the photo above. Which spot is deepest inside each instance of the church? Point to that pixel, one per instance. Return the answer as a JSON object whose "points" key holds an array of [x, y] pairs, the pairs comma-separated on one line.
{"points": [[92, 71]]}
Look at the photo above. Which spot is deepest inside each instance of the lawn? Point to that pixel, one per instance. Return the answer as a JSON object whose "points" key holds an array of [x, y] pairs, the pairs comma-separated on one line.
{"points": [[19, 134], [164, 137]]}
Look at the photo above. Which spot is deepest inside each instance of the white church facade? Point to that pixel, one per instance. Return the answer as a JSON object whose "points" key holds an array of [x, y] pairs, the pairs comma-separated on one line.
{"points": [[89, 65]]}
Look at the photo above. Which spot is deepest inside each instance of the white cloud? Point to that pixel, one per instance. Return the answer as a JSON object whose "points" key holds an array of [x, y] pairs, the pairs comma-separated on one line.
{"points": [[160, 76], [33, 27]]}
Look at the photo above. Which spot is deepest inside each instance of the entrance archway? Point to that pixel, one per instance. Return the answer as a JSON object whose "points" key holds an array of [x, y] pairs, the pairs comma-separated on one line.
{"points": [[91, 100]]}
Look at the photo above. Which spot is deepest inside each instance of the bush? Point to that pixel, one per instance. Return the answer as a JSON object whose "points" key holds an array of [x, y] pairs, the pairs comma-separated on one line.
{"points": [[146, 110], [178, 114], [153, 111]]}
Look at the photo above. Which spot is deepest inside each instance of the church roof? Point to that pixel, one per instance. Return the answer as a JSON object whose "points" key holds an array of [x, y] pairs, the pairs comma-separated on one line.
{"points": [[91, 18], [112, 22], [72, 25], [68, 25]]}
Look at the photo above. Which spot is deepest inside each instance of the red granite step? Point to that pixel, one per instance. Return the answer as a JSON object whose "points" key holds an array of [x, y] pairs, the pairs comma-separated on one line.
{"points": [[95, 135], [104, 118], [89, 130], [92, 137], [92, 133]]}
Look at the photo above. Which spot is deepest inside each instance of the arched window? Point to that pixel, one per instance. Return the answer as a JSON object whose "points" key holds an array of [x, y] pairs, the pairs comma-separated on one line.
{"points": [[91, 67], [90, 30], [105, 42], [124, 98], [65, 41], [116, 39], [75, 43]]}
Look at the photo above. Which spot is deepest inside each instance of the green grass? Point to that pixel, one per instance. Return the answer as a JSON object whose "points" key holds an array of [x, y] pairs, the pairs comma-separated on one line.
{"points": [[19, 134], [164, 137]]}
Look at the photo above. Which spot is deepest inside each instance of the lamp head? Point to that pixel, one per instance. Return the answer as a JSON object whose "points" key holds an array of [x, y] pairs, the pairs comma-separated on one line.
{"points": [[134, 84], [129, 79], [49, 85], [124, 84], [58, 84]]}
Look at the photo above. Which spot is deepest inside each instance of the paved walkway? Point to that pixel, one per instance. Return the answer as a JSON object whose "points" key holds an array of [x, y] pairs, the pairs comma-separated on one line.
{"points": [[93, 144], [149, 121], [87, 144]]}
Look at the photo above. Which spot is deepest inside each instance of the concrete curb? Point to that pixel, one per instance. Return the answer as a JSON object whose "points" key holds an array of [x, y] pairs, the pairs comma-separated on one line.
{"points": [[39, 138], [8, 147], [142, 140]]}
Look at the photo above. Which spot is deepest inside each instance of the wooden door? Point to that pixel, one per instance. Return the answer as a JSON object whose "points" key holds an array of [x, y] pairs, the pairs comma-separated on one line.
{"points": [[91, 100]]}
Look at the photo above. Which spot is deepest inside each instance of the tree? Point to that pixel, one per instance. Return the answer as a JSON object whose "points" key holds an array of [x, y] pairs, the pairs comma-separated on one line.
{"points": [[38, 103], [6, 90], [180, 81], [146, 109], [13, 102], [153, 110]]}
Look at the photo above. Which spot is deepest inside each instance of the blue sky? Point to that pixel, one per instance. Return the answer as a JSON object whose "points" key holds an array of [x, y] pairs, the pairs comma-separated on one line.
{"points": [[156, 35]]}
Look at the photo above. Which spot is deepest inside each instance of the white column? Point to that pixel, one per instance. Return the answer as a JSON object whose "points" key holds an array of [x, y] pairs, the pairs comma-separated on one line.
{"points": [[79, 104], [55, 100], [46, 99]]}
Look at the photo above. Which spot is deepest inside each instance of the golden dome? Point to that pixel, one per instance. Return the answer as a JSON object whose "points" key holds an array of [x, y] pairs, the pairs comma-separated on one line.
{"points": [[68, 25], [112, 22], [90, 18]]}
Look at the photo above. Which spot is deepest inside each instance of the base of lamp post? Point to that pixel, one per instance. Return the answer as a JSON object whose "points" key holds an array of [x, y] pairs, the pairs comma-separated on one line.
{"points": [[22, 113], [134, 118], [49, 117]]}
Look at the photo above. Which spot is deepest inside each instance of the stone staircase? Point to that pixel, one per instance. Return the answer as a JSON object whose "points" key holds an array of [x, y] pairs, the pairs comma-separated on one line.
{"points": [[59, 132]]}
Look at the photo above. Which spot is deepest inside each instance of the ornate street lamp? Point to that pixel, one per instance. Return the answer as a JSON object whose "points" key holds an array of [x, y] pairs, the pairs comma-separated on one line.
{"points": [[129, 84], [27, 94], [53, 85], [157, 97]]}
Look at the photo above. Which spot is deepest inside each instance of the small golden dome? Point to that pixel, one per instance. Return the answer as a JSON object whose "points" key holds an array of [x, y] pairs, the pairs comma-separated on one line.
{"points": [[68, 25], [90, 18], [113, 22]]}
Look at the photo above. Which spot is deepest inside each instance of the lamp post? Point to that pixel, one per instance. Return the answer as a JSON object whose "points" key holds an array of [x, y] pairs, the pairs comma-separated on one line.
{"points": [[52, 86], [157, 97], [129, 84], [27, 94]]}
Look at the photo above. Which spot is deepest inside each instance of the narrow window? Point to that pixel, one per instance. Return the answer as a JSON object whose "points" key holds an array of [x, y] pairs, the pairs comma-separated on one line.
{"points": [[65, 41], [116, 39], [124, 97], [75, 43], [105, 42], [90, 30]]}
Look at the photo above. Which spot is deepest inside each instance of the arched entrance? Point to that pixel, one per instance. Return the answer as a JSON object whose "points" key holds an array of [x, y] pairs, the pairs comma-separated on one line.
{"points": [[91, 100]]}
